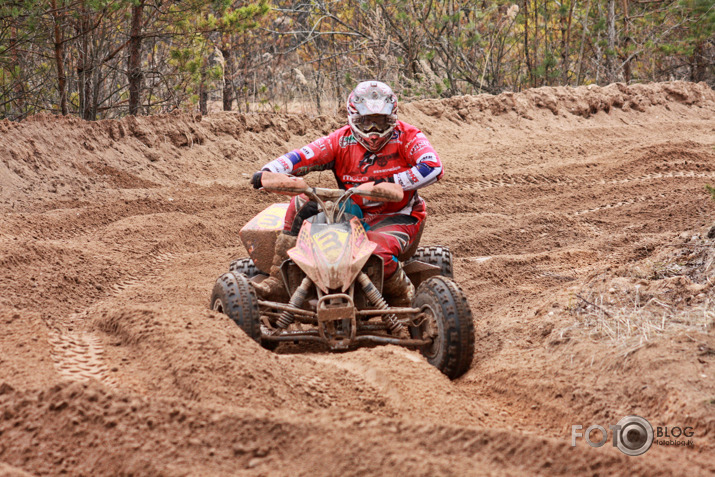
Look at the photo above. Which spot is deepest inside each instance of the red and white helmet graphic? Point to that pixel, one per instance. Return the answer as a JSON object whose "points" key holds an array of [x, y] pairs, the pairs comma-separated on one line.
{"points": [[372, 114]]}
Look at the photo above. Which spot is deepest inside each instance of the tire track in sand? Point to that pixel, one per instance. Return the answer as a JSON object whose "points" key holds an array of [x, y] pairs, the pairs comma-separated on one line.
{"points": [[148, 271], [621, 203], [541, 179], [79, 355]]}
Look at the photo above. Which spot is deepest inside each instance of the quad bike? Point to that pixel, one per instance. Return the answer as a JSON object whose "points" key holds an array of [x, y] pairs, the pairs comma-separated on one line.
{"points": [[335, 282]]}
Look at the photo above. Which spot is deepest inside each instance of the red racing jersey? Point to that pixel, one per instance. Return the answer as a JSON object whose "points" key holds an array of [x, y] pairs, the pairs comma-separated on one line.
{"points": [[408, 159]]}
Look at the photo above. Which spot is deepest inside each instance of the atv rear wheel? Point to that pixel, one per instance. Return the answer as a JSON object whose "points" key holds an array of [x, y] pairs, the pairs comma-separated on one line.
{"points": [[245, 266], [438, 256], [448, 320], [233, 296]]}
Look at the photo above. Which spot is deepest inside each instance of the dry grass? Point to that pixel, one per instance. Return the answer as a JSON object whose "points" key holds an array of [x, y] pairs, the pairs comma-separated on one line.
{"points": [[668, 294], [632, 321]]}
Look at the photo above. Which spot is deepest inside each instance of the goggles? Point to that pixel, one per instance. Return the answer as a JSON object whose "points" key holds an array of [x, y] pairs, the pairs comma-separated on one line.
{"points": [[373, 123]]}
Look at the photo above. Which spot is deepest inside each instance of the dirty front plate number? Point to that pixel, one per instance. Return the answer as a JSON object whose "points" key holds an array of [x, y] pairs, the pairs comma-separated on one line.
{"points": [[330, 242], [270, 219]]}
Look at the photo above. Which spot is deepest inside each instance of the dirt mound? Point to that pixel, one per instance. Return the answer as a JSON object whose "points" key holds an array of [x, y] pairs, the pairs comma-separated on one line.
{"points": [[57, 158], [578, 219], [219, 364], [58, 431], [49, 157], [584, 101], [10, 471]]}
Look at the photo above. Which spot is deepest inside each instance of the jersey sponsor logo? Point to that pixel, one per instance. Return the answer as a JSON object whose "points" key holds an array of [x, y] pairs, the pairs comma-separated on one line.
{"points": [[355, 179], [395, 138], [401, 181], [419, 146], [347, 141], [417, 137], [371, 159], [348, 179], [321, 143], [391, 169], [307, 151], [427, 157], [367, 160], [412, 176], [285, 163], [390, 157], [424, 169], [294, 157]]}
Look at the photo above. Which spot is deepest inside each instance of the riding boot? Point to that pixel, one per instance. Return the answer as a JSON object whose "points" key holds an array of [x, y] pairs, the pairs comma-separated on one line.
{"points": [[398, 290], [272, 288]]}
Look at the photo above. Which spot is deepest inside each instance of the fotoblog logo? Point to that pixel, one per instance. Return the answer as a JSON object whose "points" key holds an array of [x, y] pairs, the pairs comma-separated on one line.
{"points": [[633, 435]]}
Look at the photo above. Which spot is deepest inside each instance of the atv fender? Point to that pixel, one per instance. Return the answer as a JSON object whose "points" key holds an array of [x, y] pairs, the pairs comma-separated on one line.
{"points": [[418, 271], [259, 235]]}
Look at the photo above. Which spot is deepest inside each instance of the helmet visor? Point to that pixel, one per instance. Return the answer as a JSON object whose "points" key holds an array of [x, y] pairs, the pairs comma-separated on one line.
{"points": [[374, 123]]}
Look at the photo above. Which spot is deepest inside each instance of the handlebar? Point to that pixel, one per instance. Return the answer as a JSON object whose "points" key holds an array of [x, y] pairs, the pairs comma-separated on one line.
{"points": [[285, 184]]}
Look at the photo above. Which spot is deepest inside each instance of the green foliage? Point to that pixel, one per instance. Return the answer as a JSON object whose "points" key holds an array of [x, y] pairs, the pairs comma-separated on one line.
{"points": [[428, 48], [711, 190]]}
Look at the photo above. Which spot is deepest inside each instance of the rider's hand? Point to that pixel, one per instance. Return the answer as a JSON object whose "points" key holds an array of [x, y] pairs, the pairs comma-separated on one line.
{"points": [[308, 210], [256, 180]]}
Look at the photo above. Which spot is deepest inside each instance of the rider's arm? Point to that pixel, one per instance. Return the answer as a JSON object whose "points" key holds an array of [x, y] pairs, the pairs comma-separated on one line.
{"points": [[316, 156], [427, 167]]}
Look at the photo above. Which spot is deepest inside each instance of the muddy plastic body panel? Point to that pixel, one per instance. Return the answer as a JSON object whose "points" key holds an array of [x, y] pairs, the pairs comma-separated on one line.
{"points": [[259, 235], [332, 255]]}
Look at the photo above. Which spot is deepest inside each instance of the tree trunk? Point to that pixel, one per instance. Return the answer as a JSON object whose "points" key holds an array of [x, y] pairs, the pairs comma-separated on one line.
{"points": [[318, 85], [60, 60], [17, 72], [536, 40], [134, 70], [203, 95], [84, 66], [627, 31], [228, 69], [526, 39], [97, 80], [579, 77], [565, 42], [698, 63], [611, 50]]}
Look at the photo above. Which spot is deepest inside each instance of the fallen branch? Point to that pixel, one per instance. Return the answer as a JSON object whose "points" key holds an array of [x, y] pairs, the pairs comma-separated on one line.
{"points": [[593, 305]]}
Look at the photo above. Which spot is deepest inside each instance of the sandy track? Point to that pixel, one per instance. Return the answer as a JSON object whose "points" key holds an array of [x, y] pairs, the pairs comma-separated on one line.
{"points": [[112, 234]]}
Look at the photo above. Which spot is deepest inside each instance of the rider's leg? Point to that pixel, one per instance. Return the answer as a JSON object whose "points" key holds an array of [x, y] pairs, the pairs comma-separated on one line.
{"points": [[393, 234], [391, 240], [298, 210], [272, 287]]}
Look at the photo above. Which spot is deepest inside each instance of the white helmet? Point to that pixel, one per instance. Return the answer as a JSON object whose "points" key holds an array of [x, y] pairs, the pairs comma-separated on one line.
{"points": [[372, 114]]}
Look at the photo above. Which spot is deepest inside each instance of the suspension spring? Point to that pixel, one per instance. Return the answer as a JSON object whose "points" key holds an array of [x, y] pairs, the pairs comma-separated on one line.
{"points": [[374, 295], [296, 301]]}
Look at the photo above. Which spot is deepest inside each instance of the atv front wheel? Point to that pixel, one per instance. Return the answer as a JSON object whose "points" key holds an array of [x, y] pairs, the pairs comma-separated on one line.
{"points": [[233, 296], [438, 256], [245, 266], [448, 320]]}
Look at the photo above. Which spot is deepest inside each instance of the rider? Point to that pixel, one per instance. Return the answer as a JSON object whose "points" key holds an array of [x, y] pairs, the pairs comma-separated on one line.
{"points": [[374, 147]]}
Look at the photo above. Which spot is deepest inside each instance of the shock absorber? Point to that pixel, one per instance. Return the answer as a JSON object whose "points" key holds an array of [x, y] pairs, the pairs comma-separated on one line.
{"points": [[374, 295], [296, 300]]}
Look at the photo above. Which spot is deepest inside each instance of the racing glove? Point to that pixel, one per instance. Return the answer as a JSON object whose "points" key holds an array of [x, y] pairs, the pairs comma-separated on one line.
{"points": [[308, 210], [256, 180]]}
